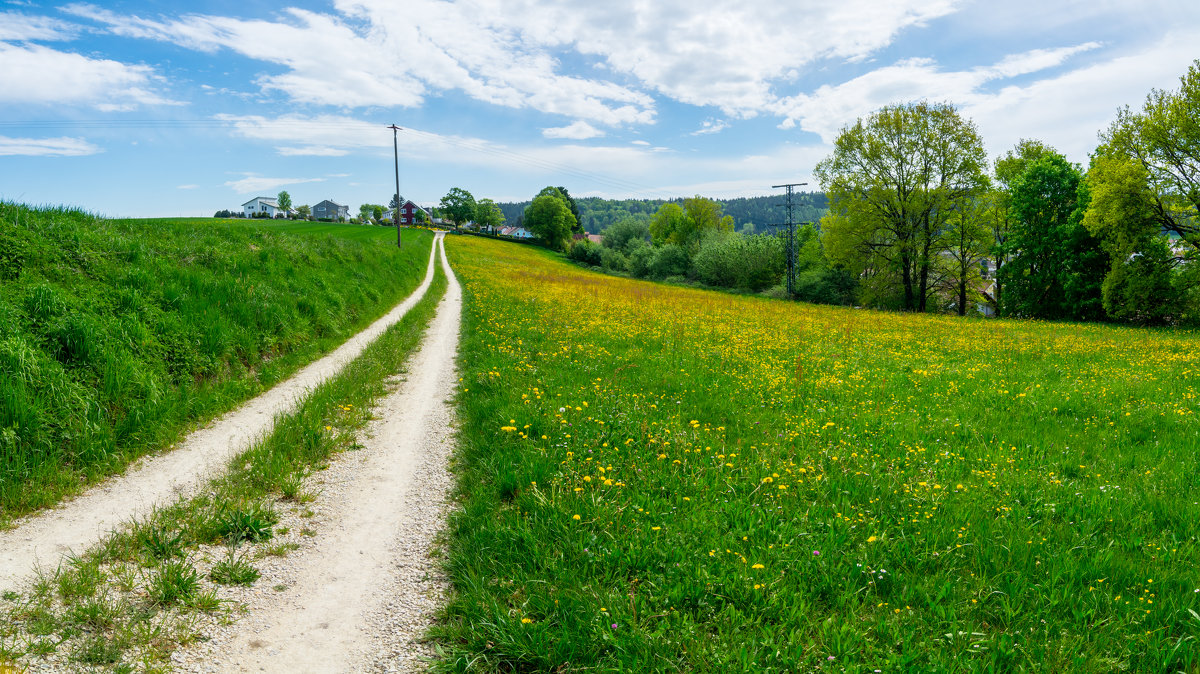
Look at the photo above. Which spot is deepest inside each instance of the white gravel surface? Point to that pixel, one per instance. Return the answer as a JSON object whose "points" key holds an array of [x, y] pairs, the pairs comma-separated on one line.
{"points": [[44, 538], [361, 590]]}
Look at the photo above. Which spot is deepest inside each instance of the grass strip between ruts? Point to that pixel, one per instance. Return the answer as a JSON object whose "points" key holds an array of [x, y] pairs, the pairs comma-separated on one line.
{"points": [[132, 599]]}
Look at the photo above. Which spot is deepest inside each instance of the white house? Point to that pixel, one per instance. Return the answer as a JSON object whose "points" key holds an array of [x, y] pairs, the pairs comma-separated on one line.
{"points": [[266, 205]]}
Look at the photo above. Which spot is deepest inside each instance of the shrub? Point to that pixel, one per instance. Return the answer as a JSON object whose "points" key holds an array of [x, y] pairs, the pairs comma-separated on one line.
{"points": [[669, 260], [731, 260], [586, 252], [614, 260], [639, 260]]}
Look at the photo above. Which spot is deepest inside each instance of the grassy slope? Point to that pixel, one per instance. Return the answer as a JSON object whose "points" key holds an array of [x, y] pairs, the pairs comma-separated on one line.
{"points": [[663, 478], [121, 579], [115, 336]]}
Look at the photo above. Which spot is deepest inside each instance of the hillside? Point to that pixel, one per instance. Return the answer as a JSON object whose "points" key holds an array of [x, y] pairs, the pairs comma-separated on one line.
{"points": [[714, 483], [597, 214], [115, 335]]}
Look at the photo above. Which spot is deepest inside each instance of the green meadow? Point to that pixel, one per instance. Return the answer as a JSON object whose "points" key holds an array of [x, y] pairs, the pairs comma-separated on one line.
{"points": [[658, 478], [116, 336]]}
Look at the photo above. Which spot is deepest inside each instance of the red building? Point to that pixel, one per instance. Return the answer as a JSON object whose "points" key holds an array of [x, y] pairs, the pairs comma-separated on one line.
{"points": [[408, 213]]}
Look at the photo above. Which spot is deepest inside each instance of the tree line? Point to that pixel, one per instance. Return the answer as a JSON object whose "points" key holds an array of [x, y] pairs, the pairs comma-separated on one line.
{"points": [[748, 213], [924, 222]]}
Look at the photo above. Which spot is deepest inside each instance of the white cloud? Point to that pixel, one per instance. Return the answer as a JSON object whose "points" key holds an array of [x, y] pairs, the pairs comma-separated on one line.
{"points": [[711, 126], [723, 53], [46, 147], [187, 187], [15, 26], [37, 74], [578, 131], [639, 142], [375, 56], [256, 183], [832, 107]]}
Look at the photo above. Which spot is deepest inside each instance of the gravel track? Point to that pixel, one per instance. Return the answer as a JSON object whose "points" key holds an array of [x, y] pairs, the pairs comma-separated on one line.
{"points": [[42, 539], [360, 594]]}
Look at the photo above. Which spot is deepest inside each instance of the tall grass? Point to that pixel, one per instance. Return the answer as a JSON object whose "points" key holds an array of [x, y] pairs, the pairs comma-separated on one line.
{"points": [[662, 479], [117, 335]]}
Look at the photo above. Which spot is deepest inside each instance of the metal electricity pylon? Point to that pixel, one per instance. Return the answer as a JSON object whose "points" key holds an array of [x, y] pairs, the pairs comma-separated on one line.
{"points": [[791, 235]]}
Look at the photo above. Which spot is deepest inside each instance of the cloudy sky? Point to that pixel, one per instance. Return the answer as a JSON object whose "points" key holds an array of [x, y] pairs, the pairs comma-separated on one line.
{"points": [[140, 109]]}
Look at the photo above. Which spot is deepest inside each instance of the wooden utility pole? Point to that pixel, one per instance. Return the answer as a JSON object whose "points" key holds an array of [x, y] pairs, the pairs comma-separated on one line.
{"points": [[396, 155]]}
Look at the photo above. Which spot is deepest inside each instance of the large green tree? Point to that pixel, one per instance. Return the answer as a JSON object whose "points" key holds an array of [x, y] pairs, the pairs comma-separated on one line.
{"points": [[1163, 139], [686, 225], [550, 219], [1007, 169], [892, 181], [1056, 267], [458, 205], [968, 237], [285, 202], [488, 214]]}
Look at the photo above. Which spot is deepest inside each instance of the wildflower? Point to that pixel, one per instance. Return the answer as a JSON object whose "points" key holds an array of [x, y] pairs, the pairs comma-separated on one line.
{"points": [[526, 620], [816, 553], [575, 517], [758, 566]]}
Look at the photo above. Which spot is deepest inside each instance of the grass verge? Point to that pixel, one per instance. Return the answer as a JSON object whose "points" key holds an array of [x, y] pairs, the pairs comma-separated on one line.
{"points": [[116, 336], [658, 478], [143, 592]]}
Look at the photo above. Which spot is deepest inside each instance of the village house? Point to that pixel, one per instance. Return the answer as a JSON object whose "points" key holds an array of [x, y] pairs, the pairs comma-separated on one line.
{"points": [[331, 210], [518, 232], [408, 213], [266, 205]]}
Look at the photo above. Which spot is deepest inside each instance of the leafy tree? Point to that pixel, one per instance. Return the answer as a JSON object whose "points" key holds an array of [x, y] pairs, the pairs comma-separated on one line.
{"points": [[968, 237], [891, 181], [620, 233], [1007, 169], [458, 205], [669, 219], [574, 209], [488, 214], [1164, 140], [549, 218], [285, 202], [304, 211], [1056, 266], [686, 225], [1138, 289]]}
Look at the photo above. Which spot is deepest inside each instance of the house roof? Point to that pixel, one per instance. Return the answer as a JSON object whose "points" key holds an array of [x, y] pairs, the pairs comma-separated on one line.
{"points": [[270, 201], [332, 202]]}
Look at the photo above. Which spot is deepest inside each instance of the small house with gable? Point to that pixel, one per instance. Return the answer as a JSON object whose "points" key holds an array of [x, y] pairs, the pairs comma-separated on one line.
{"points": [[266, 205], [408, 213], [331, 210]]}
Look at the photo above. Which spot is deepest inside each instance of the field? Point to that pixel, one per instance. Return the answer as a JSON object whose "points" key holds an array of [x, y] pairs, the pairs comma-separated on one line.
{"points": [[664, 478], [115, 336]]}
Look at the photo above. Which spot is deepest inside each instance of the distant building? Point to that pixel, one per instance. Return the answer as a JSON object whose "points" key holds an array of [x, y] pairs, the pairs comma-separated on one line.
{"points": [[519, 232], [266, 205], [331, 210], [408, 213]]}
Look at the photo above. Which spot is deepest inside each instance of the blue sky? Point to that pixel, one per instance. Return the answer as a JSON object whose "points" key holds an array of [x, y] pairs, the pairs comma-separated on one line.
{"points": [[141, 108]]}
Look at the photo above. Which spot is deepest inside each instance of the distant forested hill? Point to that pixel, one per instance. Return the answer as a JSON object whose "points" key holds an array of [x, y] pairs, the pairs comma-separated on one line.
{"points": [[597, 214]]}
